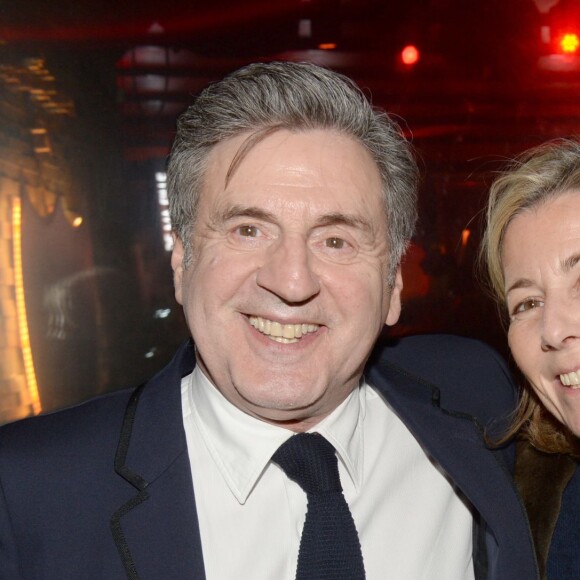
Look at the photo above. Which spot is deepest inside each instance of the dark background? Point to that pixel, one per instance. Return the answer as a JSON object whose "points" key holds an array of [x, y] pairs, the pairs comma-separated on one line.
{"points": [[105, 81]]}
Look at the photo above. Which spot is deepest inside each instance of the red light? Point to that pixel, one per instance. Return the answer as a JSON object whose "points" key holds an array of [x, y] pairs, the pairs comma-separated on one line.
{"points": [[327, 45], [569, 43], [410, 55]]}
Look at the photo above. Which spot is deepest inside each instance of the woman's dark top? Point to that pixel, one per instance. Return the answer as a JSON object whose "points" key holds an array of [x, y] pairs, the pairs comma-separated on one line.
{"points": [[564, 555]]}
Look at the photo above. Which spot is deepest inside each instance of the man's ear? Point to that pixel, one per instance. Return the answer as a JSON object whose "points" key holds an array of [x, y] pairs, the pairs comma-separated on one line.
{"points": [[177, 266], [395, 300]]}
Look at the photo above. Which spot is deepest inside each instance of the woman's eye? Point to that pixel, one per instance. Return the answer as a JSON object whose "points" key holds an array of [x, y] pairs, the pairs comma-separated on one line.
{"points": [[335, 243], [248, 231], [528, 305]]}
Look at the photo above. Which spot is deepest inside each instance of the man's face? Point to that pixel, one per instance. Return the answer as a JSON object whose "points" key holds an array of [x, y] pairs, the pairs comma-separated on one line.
{"points": [[286, 292]]}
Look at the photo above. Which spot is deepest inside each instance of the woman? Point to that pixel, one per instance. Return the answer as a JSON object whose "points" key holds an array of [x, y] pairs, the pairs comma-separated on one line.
{"points": [[531, 248]]}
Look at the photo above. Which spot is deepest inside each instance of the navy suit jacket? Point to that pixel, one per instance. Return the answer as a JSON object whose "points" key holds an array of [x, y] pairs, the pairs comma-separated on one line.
{"points": [[104, 490]]}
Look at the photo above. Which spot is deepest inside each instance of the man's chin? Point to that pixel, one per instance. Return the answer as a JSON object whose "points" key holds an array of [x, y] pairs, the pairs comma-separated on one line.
{"points": [[279, 402], [294, 407]]}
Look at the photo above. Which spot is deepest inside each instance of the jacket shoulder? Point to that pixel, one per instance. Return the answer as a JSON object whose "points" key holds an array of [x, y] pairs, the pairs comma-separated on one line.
{"points": [[471, 377], [94, 423]]}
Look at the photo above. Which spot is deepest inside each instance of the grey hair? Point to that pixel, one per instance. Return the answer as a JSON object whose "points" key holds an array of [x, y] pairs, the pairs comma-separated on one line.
{"points": [[261, 98]]}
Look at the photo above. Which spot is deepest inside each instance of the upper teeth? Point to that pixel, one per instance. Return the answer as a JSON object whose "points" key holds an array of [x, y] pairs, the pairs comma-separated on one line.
{"points": [[281, 332], [570, 379]]}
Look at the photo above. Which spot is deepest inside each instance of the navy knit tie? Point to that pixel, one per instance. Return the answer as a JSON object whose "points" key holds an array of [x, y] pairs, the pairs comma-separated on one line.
{"points": [[329, 547]]}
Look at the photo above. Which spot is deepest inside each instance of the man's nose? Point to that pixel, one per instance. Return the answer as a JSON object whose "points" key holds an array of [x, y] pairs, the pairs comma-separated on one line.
{"points": [[560, 322], [287, 271]]}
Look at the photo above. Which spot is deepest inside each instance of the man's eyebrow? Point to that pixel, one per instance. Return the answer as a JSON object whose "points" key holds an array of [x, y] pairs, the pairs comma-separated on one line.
{"points": [[342, 219], [236, 211], [570, 262]]}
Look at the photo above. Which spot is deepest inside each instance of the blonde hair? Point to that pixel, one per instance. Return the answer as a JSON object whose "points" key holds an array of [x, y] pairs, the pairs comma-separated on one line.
{"points": [[532, 179]]}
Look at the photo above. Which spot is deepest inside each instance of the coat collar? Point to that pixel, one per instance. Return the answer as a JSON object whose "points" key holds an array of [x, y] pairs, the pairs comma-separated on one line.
{"points": [[152, 457], [150, 451]]}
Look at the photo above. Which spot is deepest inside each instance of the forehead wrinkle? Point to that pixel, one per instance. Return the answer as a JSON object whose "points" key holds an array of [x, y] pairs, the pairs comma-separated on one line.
{"points": [[566, 265], [246, 146]]}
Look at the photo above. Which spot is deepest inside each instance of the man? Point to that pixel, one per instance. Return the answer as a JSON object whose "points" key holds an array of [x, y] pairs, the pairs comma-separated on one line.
{"points": [[292, 202]]}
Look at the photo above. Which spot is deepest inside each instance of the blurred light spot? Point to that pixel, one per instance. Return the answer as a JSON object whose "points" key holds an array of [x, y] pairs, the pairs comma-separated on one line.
{"points": [[161, 181], [465, 237], [305, 28], [410, 55], [569, 43], [162, 313]]}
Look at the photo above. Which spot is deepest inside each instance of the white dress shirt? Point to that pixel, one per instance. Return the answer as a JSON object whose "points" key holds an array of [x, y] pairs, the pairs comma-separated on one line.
{"points": [[411, 523]]}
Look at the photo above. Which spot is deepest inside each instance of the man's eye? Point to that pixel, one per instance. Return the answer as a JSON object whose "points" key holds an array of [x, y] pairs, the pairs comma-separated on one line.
{"points": [[335, 243], [248, 231]]}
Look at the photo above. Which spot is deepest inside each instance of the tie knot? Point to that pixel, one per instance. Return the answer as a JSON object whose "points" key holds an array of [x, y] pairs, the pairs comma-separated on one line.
{"points": [[310, 460]]}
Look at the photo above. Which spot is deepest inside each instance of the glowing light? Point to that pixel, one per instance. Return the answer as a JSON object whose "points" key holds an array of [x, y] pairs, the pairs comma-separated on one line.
{"points": [[21, 307], [569, 43], [327, 45], [74, 218], [40, 142], [410, 55], [161, 180], [465, 237]]}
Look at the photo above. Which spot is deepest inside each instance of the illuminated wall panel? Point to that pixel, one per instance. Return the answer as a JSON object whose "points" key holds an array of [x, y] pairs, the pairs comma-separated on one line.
{"points": [[18, 398]]}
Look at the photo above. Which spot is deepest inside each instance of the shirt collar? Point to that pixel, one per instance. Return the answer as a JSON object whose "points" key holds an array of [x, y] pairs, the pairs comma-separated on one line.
{"points": [[241, 445]]}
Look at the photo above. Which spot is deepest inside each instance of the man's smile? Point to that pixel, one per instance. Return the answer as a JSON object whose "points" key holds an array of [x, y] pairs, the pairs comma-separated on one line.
{"points": [[284, 333]]}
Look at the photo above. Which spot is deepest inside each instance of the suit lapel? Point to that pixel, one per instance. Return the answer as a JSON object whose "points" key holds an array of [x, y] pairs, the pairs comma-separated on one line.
{"points": [[156, 531], [456, 442]]}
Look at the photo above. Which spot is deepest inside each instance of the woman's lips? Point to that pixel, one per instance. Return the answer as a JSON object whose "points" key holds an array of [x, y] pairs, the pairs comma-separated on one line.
{"points": [[571, 380]]}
